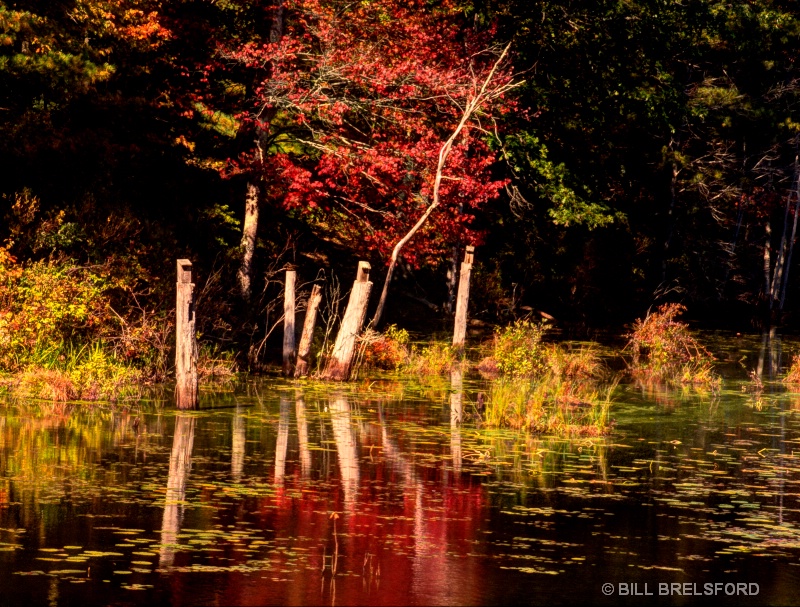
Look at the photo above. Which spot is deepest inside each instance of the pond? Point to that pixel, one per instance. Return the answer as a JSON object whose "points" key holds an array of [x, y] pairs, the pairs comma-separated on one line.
{"points": [[387, 492]]}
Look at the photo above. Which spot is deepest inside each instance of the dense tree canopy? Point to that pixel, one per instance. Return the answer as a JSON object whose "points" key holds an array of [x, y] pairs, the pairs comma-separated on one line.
{"points": [[649, 156]]}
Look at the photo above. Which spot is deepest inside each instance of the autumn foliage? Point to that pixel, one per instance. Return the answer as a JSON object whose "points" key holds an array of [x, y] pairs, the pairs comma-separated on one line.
{"points": [[350, 108], [665, 352]]}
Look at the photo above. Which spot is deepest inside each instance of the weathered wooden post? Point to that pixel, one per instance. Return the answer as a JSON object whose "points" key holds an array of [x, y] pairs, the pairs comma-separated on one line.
{"points": [[460, 329], [343, 350], [304, 349], [288, 323], [185, 339]]}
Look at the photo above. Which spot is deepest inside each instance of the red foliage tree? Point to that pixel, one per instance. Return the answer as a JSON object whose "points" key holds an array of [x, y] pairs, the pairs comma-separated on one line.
{"points": [[358, 106]]}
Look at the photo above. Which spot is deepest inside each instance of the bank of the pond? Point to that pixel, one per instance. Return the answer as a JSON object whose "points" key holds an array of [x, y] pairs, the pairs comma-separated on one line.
{"points": [[531, 382]]}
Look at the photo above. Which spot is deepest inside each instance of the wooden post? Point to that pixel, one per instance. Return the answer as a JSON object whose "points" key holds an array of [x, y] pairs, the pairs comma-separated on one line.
{"points": [[304, 349], [343, 350], [288, 323], [460, 329], [186, 341]]}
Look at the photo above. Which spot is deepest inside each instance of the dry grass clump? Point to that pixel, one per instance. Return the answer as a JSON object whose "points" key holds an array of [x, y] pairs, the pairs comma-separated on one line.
{"points": [[792, 376], [388, 350], [665, 352], [215, 365]]}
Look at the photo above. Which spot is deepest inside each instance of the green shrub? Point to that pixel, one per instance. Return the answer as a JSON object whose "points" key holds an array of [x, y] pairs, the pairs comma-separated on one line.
{"points": [[519, 350], [47, 303], [61, 339], [545, 387]]}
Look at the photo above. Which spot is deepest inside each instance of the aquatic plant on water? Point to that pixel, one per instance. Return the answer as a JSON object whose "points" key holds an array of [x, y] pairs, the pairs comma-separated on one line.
{"points": [[551, 403], [664, 351], [546, 388]]}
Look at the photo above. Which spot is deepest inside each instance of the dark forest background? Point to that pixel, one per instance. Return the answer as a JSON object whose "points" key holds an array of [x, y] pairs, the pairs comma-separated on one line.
{"points": [[650, 155]]}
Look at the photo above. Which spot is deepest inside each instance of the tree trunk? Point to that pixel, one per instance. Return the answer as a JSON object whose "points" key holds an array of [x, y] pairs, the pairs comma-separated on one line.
{"points": [[452, 281], [248, 240], [768, 264], [796, 191], [276, 30]]}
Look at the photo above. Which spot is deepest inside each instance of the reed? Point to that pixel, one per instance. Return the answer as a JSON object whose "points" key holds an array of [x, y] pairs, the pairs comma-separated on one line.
{"points": [[569, 395]]}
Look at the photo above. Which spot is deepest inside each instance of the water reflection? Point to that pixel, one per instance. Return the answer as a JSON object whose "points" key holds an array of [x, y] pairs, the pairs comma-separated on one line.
{"points": [[346, 448], [456, 416], [696, 492], [238, 441], [302, 434], [282, 445], [180, 463]]}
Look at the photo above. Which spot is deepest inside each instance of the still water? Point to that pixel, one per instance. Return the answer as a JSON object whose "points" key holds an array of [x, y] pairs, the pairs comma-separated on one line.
{"points": [[386, 493]]}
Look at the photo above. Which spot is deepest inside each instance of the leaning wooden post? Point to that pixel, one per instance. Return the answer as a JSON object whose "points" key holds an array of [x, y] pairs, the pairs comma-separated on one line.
{"points": [[304, 349], [460, 329], [185, 339], [288, 323], [343, 350]]}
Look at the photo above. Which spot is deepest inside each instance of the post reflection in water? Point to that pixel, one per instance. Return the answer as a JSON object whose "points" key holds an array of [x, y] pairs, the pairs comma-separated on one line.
{"points": [[346, 447], [238, 441], [456, 416], [302, 434], [282, 445], [770, 345], [180, 462]]}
